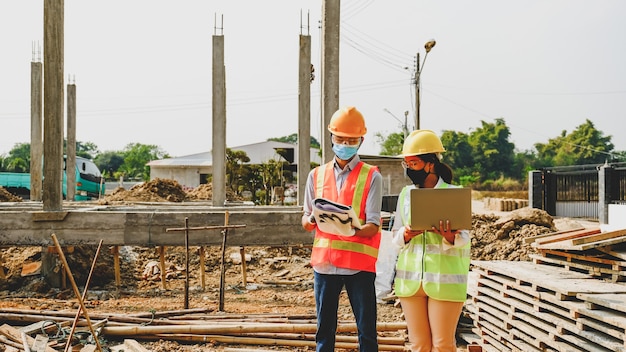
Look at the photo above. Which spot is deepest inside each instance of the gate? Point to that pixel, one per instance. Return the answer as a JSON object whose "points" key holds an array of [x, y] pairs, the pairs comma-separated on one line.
{"points": [[582, 191]]}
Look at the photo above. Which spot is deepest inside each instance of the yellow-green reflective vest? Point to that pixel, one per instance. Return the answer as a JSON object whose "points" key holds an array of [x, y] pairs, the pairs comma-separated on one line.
{"points": [[423, 261]]}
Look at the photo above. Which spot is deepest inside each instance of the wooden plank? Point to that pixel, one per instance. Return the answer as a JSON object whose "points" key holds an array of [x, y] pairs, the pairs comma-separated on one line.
{"points": [[546, 278], [567, 236], [608, 300], [556, 322], [615, 251], [567, 245], [544, 317], [16, 336], [549, 234], [586, 257], [40, 344], [599, 237]]}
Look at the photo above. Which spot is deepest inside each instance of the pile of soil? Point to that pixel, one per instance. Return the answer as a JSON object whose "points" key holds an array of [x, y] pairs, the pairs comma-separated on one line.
{"points": [[6, 196], [157, 190], [163, 190]]}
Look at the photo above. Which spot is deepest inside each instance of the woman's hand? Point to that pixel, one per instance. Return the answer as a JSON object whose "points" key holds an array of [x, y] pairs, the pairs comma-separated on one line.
{"points": [[446, 231], [409, 234]]}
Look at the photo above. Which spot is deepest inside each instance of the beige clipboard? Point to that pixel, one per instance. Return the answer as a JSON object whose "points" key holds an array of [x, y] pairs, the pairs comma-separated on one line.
{"points": [[430, 205]]}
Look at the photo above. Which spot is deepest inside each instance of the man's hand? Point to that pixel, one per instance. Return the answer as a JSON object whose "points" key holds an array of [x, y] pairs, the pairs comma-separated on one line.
{"points": [[308, 223]]}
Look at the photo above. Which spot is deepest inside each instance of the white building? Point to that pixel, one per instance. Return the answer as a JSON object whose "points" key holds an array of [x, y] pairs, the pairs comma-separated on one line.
{"points": [[192, 170]]}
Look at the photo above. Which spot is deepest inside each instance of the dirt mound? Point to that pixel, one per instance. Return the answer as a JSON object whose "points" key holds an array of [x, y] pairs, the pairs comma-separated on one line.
{"points": [[205, 192], [502, 238], [6, 196], [157, 190], [164, 190]]}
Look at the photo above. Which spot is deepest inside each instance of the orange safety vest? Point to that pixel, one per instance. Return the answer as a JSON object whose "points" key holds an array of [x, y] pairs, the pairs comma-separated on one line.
{"points": [[357, 253]]}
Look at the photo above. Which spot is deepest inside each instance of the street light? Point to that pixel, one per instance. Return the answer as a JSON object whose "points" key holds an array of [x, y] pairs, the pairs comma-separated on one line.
{"points": [[405, 130], [418, 72]]}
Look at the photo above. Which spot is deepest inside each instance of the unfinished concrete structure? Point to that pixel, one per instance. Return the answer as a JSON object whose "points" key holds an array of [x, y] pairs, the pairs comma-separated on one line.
{"points": [[33, 222]]}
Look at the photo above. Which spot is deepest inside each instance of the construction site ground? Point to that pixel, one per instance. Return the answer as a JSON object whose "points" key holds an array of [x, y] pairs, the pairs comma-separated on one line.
{"points": [[279, 280]]}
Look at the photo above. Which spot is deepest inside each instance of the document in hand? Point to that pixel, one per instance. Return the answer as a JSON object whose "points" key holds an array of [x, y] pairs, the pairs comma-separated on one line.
{"points": [[430, 205], [335, 218]]}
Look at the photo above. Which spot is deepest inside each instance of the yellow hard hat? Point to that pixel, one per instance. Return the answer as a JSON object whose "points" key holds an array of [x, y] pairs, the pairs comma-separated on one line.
{"points": [[347, 122], [422, 142]]}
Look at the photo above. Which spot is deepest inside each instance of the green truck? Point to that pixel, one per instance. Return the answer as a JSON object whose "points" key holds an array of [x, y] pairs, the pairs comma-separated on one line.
{"points": [[89, 181]]}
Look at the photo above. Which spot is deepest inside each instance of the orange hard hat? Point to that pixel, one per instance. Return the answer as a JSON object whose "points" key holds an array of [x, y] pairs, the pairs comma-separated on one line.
{"points": [[347, 122]]}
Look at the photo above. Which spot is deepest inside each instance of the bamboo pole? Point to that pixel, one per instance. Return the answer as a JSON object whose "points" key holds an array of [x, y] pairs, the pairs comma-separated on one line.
{"points": [[202, 265], [186, 305], [244, 274], [76, 292], [162, 260], [68, 345], [237, 328], [116, 265], [339, 338], [223, 262], [238, 340]]}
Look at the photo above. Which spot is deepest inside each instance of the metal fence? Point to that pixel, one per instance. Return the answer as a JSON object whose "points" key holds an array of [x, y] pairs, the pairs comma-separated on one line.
{"points": [[582, 191]]}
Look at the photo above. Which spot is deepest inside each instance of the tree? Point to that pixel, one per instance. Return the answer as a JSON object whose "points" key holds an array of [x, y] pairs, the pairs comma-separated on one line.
{"points": [[585, 145], [109, 163], [236, 173], [459, 153], [136, 158], [18, 159], [293, 139], [87, 150], [493, 152], [390, 144]]}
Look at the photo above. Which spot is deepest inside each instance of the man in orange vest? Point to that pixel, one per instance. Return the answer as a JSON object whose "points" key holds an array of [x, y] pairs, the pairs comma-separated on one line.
{"points": [[345, 259]]}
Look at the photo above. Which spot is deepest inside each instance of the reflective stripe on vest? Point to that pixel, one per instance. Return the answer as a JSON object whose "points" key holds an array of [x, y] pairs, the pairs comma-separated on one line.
{"points": [[354, 252], [423, 261]]}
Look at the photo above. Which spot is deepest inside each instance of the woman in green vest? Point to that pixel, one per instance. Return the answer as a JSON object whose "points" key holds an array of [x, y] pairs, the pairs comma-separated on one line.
{"points": [[433, 264]]}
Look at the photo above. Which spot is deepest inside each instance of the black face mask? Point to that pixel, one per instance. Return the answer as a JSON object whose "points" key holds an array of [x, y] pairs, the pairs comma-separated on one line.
{"points": [[417, 176]]}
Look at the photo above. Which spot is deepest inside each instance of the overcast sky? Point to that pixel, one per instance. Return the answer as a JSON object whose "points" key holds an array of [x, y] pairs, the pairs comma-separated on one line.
{"points": [[142, 68]]}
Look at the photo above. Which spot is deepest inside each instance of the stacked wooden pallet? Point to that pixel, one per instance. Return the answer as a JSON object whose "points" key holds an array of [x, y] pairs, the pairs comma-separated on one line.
{"points": [[569, 298]]}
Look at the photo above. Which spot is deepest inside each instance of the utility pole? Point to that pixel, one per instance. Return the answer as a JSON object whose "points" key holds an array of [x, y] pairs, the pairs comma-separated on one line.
{"points": [[418, 72], [417, 92]]}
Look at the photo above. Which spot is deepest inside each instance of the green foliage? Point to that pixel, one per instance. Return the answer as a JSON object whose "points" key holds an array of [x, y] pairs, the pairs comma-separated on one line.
{"points": [[459, 154], [87, 150], [293, 139], [585, 145], [136, 158], [492, 150], [18, 159], [109, 163], [390, 144], [236, 172]]}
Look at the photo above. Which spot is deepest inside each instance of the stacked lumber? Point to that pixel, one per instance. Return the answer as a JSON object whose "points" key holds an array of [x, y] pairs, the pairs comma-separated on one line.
{"points": [[569, 298], [600, 254], [189, 326]]}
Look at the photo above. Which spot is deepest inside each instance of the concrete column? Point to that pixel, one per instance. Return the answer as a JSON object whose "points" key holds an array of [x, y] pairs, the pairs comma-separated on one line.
{"points": [[330, 71], [605, 174], [304, 115], [219, 122], [53, 47], [70, 163], [36, 138]]}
